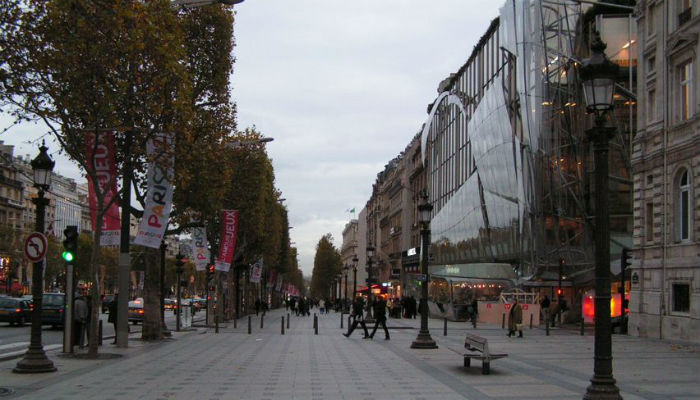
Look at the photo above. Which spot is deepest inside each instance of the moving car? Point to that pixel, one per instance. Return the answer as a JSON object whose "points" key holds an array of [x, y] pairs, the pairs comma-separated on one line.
{"points": [[168, 304], [15, 310], [52, 309], [136, 311]]}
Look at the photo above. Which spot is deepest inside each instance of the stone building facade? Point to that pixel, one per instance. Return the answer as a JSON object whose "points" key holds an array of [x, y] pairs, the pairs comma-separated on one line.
{"points": [[665, 274]]}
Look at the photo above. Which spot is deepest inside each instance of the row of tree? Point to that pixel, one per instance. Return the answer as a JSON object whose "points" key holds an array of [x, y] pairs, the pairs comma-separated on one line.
{"points": [[137, 69], [327, 265]]}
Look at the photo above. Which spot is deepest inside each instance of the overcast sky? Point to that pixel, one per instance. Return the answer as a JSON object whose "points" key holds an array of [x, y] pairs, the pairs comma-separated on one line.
{"points": [[342, 86]]}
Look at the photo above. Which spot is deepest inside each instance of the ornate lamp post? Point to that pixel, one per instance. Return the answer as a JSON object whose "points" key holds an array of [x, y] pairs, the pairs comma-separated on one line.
{"points": [[598, 76], [370, 256], [35, 359], [423, 340], [345, 298], [354, 276], [178, 270]]}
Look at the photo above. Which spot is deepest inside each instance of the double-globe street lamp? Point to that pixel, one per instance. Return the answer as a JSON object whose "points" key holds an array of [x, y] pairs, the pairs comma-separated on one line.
{"points": [[345, 297], [354, 276], [370, 258], [598, 74], [35, 359], [423, 340]]}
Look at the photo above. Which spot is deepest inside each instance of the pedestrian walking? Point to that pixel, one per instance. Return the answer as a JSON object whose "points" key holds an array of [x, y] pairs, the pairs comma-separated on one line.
{"points": [[113, 315], [358, 307], [80, 316], [515, 320], [321, 306], [379, 308], [544, 308]]}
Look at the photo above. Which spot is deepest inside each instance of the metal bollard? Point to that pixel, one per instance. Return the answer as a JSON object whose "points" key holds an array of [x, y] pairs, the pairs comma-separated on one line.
{"points": [[444, 328], [582, 326], [99, 334], [503, 321], [250, 325], [283, 324], [262, 317], [531, 317], [348, 321], [287, 320], [546, 324], [216, 324], [474, 321], [315, 324], [341, 320]]}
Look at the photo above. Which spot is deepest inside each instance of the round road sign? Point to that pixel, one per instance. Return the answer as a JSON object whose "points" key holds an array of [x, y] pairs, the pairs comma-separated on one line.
{"points": [[35, 246]]}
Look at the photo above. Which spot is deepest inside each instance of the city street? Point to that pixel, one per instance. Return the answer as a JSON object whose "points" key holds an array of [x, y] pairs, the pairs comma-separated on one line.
{"points": [[15, 339], [301, 365]]}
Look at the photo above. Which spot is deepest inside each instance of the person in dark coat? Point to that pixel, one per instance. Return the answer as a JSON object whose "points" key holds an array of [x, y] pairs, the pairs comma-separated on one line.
{"points": [[358, 317], [113, 315], [80, 318], [515, 320], [379, 308]]}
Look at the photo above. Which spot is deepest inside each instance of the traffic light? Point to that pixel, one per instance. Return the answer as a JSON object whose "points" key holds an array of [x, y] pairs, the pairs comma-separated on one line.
{"points": [[626, 259], [211, 275], [560, 292], [70, 244]]}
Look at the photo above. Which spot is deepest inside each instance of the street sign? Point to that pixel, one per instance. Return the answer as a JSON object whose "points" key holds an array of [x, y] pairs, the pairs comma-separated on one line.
{"points": [[421, 277], [35, 246]]}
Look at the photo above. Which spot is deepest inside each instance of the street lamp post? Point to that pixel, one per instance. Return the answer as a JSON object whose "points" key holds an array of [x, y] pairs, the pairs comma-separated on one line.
{"points": [[354, 276], [35, 359], [178, 270], [370, 256], [345, 298], [164, 329], [598, 75], [423, 340]]}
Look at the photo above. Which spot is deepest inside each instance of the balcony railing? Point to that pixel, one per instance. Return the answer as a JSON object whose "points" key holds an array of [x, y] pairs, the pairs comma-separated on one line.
{"points": [[684, 16]]}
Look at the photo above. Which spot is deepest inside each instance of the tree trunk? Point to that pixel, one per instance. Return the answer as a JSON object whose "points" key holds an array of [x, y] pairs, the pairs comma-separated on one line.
{"points": [[152, 326]]}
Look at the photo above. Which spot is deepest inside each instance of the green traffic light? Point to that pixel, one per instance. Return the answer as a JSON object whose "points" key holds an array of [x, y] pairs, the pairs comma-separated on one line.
{"points": [[68, 256]]}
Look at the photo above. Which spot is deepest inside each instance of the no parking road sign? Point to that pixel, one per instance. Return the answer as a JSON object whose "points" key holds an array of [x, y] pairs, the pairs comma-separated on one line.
{"points": [[35, 246]]}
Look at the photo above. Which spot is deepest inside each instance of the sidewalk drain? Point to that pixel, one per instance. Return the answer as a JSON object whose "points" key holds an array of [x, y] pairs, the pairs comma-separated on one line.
{"points": [[6, 391]]}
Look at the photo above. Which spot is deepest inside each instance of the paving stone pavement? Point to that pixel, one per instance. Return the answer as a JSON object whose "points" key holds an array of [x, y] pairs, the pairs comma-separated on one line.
{"points": [[266, 365]]}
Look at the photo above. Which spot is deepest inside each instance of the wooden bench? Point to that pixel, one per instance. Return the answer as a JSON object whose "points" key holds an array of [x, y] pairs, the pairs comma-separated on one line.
{"points": [[479, 347]]}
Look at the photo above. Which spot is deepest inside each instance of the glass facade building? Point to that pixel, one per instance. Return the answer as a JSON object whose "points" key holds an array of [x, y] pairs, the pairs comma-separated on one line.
{"points": [[508, 163]]}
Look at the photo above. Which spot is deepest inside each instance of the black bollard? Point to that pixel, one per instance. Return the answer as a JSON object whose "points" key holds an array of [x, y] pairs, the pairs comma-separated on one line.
{"points": [[348, 321], [99, 334], [474, 321], [503, 321], [216, 324], [531, 316], [444, 328], [283, 324], [287, 320], [341, 320], [262, 317], [250, 325], [546, 325], [582, 326], [315, 324]]}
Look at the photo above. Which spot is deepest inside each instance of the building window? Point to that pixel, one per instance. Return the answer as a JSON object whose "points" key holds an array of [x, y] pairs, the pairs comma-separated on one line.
{"points": [[685, 92], [651, 102], [683, 209], [649, 222], [680, 293], [685, 12], [650, 20], [651, 65]]}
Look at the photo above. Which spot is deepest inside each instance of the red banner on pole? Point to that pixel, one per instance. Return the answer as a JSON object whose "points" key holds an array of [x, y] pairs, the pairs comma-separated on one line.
{"points": [[229, 234], [100, 158]]}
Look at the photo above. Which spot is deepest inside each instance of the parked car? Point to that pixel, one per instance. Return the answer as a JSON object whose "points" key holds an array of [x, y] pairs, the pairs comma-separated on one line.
{"points": [[106, 301], [136, 311], [52, 309], [15, 310]]}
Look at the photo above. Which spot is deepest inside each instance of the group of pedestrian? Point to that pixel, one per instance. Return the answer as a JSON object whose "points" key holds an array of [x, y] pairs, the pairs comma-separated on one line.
{"points": [[409, 306], [379, 310], [300, 306]]}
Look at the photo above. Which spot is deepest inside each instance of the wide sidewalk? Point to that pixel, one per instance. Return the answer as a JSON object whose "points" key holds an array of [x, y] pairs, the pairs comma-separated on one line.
{"points": [[201, 364]]}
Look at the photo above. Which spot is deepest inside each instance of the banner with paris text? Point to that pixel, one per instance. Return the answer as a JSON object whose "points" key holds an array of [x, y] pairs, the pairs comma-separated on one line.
{"points": [[229, 234], [101, 160], [159, 193], [200, 249]]}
